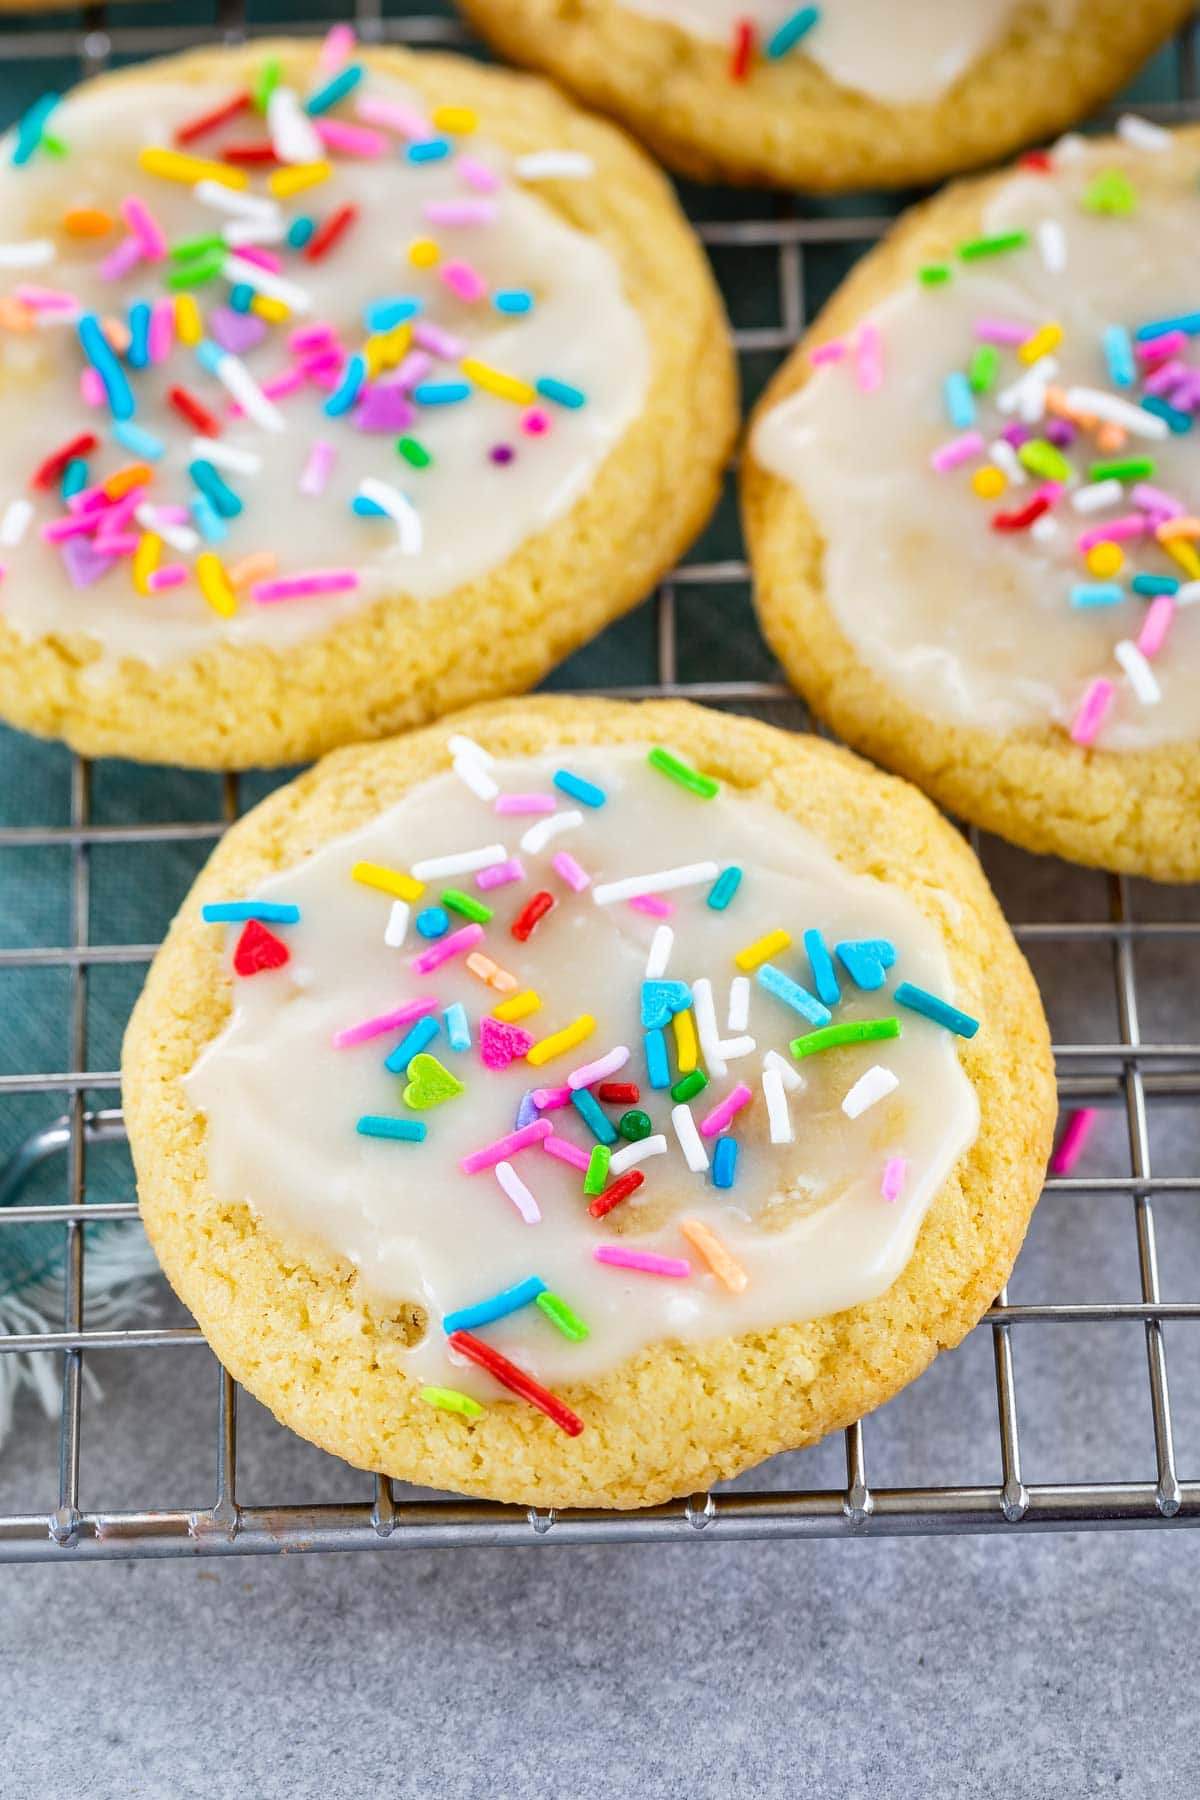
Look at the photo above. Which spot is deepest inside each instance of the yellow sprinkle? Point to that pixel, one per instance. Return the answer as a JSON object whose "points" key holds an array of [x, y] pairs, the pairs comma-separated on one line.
{"points": [[715, 1254], [684, 1028], [390, 881], [387, 348], [145, 560], [1041, 343], [508, 387], [763, 950], [296, 177], [566, 1039], [423, 253], [989, 482], [264, 306], [1105, 560], [491, 972], [519, 1007], [214, 584], [1185, 556], [175, 166], [189, 326], [459, 119]]}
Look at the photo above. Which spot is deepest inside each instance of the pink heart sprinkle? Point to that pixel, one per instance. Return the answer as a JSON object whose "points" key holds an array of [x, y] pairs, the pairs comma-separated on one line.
{"points": [[501, 1044]]}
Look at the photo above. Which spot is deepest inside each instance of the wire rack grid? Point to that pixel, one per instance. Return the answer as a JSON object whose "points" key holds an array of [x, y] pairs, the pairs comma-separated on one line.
{"points": [[1125, 1073]]}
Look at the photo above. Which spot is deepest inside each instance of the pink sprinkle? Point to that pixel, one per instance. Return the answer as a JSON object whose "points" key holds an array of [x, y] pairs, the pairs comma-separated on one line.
{"points": [[526, 803], [564, 864], [311, 337], [868, 360], [1161, 381], [172, 515], [565, 1152], [550, 1099], [1154, 500], [599, 1070], [535, 422], [124, 543], [395, 117], [831, 352], [44, 299], [337, 47], [266, 259], [89, 499], [721, 1115], [1074, 1138], [459, 941], [500, 874], [392, 1021], [118, 262], [171, 575], [1170, 343], [317, 468], [298, 587], [645, 1260], [1001, 331], [1133, 525], [91, 388], [442, 343], [894, 1172], [351, 140], [1092, 710], [60, 529], [957, 451], [145, 228], [415, 367], [477, 175], [460, 212], [1156, 624], [518, 1193], [504, 1147], [162, 330], [464, 281], [652, 905]]}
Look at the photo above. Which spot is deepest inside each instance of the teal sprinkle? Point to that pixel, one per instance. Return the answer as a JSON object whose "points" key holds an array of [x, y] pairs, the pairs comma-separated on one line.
{"points": [[1155, 584], [215, 489], [561, 391], [441, 393], [74, 477], [940, 1011], [347, 390], [99, 353], [138, 354], [209, 522], [724, 887], [241, 296], [429, 150], [789, 34], [343, 83], [1179, 422], [594, 1116], [31, 127], [512, 300], [299, 232], [411, 1131]]}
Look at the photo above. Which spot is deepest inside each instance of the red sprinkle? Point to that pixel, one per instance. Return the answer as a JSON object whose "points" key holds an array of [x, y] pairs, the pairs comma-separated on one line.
{"points": [[249, 153], [613, 1196], [1040, 160], [1020, 521], [259, 949], [508, 1374], [56, 462], [194, 412], [329, 233], [743, 49], [619, 1093], [205, 122], [527, 918]]}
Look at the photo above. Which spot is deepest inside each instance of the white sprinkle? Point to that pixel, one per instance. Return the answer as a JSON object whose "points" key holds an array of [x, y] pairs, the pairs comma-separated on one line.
{"points": [[660, 953], [599, 1069], [1141, 676], [688, 875], [539, 835], [34, 253], [236, 378], [706, 1027], [518, 1193], [694, 1153], [1188, 594], [733, 1049], [1052, 242], [397, 925], [293, 136], [458, 745], [253, 231], [265, 281], [476, 777], [232, 200], [554, 165], [1044, 530], [788, 1073], [739, 1003], [1143, 134], [226, 456], [1115, 411], [400, 509], [180, 537], [1069, 147], [633, 1154], [1006, 458], [463, 862], [1097, 495], [874, 1085], [15, 523], [778, 1118], [1027, 396]]}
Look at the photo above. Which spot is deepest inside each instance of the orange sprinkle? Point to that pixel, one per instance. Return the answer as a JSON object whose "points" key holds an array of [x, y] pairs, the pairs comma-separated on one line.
{"points": [[87, 221], [14, 316], [1111, 437], [131, 476], [488, 971], [117, 334], [1177, 528], [255, 567], [715, 1254]]}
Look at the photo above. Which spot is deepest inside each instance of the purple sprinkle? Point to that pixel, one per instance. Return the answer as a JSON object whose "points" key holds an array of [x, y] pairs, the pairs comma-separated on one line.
{"points": [[1016, 435], [441, 343], [527, 1112], [502, 453], [235, 331], [84, 563], [1060, 433], [383, 407]]}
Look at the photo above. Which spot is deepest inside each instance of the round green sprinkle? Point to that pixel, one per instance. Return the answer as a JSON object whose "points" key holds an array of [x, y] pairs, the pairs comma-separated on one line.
{"points": [[634, 1126], [934, 274], [414, 452], [666, 764], [1111, 192], [568, 1322], [54, 145], [974, 248], [467, 905], [450, 1400], [597, 1170], [1133, 468], [688, 1086], [985, 365], [862, 1031]]}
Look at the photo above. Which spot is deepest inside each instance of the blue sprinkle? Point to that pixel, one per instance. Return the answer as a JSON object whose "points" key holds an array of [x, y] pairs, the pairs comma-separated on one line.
{"points": [[334, 90], [138, 354], [412, 1131], [75, 475], [562, 391], [586, 792], [724, 888], [940, 1011], [367, 509], [440, 393], [99, 353], [142, 443], [658, 1068], [1097, 593], [31, 126], [527, 1112], [593, 1116], [346, 392], [232, 912], [865, 961], [422, 1033], [512, 300], [241, 294], [210, 356], [1179, 422], [823, 972], [661, 1000], [433, 922], [299, 232], [429, 150], [960, 402], [792, 994], [1189, 322], [511, 1300], [785, 38], [215, 488], [457, 1028], [724, 1162], [385, 315], [1118, 354], [1155, 584], [209, 523]]}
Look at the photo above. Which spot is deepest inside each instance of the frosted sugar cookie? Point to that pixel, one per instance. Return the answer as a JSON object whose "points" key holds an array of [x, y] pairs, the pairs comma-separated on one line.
{"points": [[970, 504], [336, 388], [580, 1106], [850, 93]]}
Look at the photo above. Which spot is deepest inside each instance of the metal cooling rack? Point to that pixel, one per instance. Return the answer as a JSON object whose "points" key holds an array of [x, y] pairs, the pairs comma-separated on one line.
{"points": [[1125, 1073]]}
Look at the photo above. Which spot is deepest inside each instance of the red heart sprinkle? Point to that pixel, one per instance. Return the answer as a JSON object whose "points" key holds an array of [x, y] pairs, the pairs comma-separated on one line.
{"points": [[259, 949], [500, 1044]]}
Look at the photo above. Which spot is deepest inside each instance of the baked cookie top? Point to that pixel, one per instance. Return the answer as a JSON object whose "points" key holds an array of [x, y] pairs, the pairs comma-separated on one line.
{"points": [[575, 1059]]}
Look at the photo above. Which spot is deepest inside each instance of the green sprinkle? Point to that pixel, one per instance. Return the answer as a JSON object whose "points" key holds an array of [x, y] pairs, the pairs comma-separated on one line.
{"points": [[975, 248], [1134, 468], [54, 145], [450, 1400], [688, 1086], [1041, 457], [467, 905], [414, 452], [198, 271], [985, 365], [568, 1322], [666, 764], [187, 248], [597, 1170], [268, 80], [934, 274], [863, 1031], [634, 1126], [1111, 192]]}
